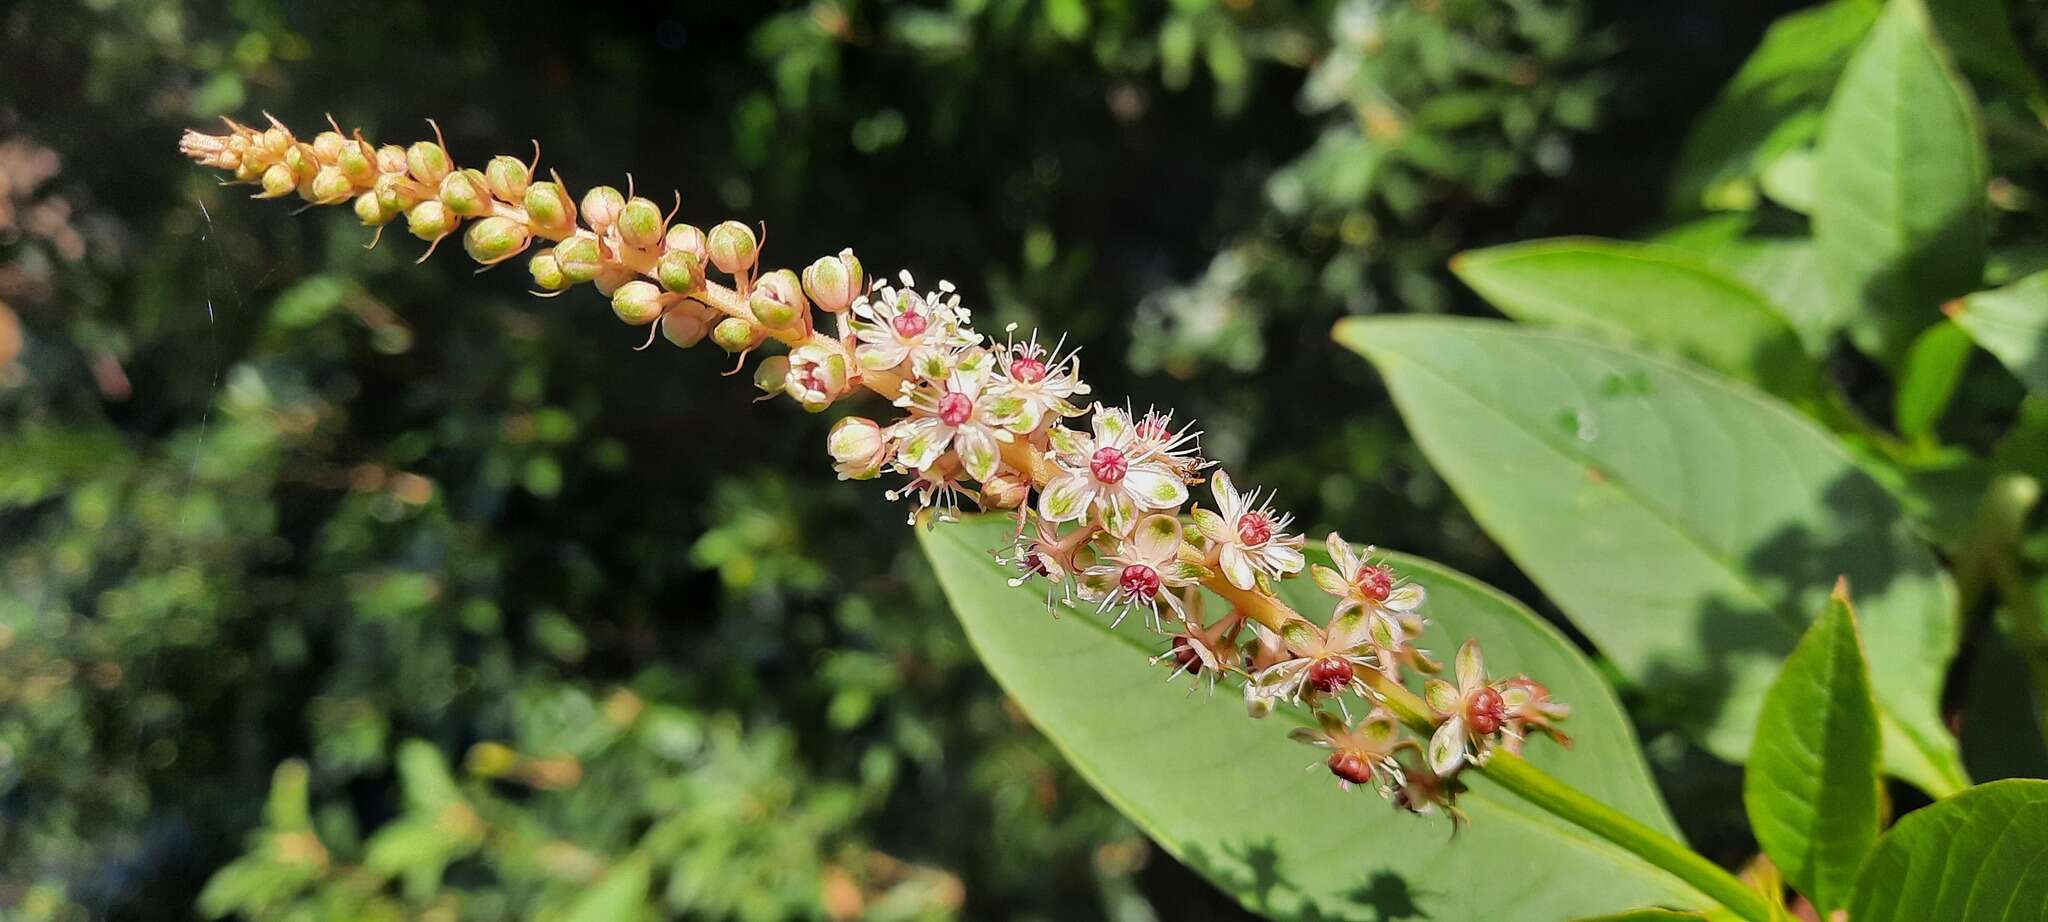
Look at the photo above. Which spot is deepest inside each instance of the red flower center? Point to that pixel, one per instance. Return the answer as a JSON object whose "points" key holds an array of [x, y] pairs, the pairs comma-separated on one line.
{"points": [[1330, 674], [1375, 582], [1185, 657], [1485, 711], [955, 408], [1109, 465], [908, 324], [1254, 529], [1139, 580], [1027, 370], [1351, 767]]}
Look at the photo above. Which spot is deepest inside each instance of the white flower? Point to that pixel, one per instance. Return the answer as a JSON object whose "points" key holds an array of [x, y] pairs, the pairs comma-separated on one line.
{"points": [[1389, 606], [1106, 474], [1249, 535], [961, 415], [1472, 712], [894, 324], [1143, 572], [1041, 382]]}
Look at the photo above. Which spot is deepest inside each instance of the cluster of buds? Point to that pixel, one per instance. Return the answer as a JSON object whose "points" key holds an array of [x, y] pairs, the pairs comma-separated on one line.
{"points": [[1100, 494]]}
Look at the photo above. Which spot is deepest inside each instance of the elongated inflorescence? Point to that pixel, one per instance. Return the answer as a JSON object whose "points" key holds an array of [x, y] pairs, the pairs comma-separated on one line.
{"points": [[1100, 494]]}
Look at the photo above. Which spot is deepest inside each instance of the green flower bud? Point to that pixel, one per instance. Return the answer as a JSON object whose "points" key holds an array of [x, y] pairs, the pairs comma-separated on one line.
{"points": [[550, 210], [275, 140], [546, 272], [330, 187], [248, 171], [430, 220], [1005, 490], [302, 161], [465, 194], [579, 258], [329, 145], [372, 212], [771, 373], [391, 159], [494, 239], [685, 328], [858, 448], [427, 162], [507, 178], [355, 163], [601, 207], [735, 335], [637, 302], [394, 193], [777, 299], [689, 239], [834, 281], [733, 247], [819, 373], [679, 272], [640, 223], [278, 181]]}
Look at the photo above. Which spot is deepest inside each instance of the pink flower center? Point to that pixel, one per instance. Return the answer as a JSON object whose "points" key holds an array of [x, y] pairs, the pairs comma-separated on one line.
{"points": [[1330, 674], [1351, 767], [1027, 370], [1152, 429], [1254, 529], [1375, 582], [1140, 581], [909, 324], [955, 408], [1109, 465], [1485, 711]]}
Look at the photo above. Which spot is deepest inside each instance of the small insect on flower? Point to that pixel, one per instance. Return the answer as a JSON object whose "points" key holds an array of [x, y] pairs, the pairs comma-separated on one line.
{"points": [[1359, 754], [1180, 449], [1107, 474], [1248, 536], [1390, 605], [1142, 572], [1471, 713]]}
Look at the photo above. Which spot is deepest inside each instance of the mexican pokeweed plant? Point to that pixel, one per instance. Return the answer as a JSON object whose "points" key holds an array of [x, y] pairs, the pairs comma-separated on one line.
{"points": [[1661, 439]]}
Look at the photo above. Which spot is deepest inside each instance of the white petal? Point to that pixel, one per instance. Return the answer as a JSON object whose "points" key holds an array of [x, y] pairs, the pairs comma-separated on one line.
{"points": [[1406, 597], [924, 441], [1156, 539], [1283, 559], [1441, 696], [1152, 487], [1329, 580], [1111, 425], [1211, 525], [1447, 747], [1228, 502], [978, 453], [881, 356], [1237, 567], [1065, 498], [1340, 554], [1471, 667]]}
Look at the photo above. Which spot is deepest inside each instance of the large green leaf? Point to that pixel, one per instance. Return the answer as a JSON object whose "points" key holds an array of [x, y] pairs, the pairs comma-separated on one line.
{"points": [[1780, 265], [1980, 856], [1773, 103], [1227, 795], [2012, 324], [1899, 215], [1812, 788], [1688, 526], [1663, 298]]}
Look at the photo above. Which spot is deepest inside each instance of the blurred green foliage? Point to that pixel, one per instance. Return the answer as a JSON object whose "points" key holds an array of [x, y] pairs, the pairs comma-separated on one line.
{"points": [[336, 587]]}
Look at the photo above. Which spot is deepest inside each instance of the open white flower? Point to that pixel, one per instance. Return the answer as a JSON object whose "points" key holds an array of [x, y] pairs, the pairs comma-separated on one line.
{"points": [[1472, 712], [893, 324], [1391, 606], [1248, 534], [1042, 382], [961, 415], [1143, 572], [1105, 474]]}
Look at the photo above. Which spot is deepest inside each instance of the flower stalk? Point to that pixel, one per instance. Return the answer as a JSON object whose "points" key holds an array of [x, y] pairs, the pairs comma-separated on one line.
{"points": [[1104, 513]]}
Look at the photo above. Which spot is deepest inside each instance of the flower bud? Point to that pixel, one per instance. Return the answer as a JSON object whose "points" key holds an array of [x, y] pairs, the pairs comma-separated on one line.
{"points": [[329, 145], [610, 276], [735, 335], [427, 162], [507, 178], [465, 194], [579, 258], [429, 220], [394, 192], [330, 187], [777, 299], [770, 375], [834, 281], [547, 272], [679, 272], [372, 212], [274, 141], [278, 181], [249, 171], [494, 239], [640, 224], [391, 159], [549, 209], [355, 162], [637, 302], [685, 328], [732, 247], [302, 161], [1006, 490], [689, 239], [858, 448], [819, 373], [601, 207]]}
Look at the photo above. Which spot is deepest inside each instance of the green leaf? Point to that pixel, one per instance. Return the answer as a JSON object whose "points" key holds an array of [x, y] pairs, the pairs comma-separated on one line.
{"points": [[1781, 266], [1228, 796], [1662, 298], [1812, 789], [619, 896], [1933, 369], [288, 807], [1980, 856], [1899, 211], [2012, 324], [1647, 915], [1690, 528], [1982, 37], [1772, 104]]}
